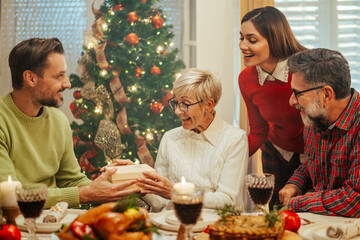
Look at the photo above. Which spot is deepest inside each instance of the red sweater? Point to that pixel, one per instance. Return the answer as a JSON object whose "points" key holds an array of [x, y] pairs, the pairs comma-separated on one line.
{"points": [[270, 115]]}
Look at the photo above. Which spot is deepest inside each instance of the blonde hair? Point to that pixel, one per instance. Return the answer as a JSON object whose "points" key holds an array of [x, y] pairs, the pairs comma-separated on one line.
{"points": [[201, 82]]}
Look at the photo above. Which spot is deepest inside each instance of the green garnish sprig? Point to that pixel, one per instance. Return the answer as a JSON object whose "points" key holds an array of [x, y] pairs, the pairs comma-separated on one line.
{"points": [[227, 211]]}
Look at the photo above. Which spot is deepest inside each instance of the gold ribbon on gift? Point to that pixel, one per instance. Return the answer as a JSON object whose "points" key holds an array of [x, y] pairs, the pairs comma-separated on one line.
{"points": [[100, 56], [122, 123], [143, 152], [118, 90]]}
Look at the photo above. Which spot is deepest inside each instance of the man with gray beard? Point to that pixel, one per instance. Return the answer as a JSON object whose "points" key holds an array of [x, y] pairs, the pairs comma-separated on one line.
{"points": [[330, 110]]}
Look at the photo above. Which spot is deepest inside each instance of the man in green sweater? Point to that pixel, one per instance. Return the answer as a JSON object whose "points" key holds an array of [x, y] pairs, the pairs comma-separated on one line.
{"points": [[35, 137]]}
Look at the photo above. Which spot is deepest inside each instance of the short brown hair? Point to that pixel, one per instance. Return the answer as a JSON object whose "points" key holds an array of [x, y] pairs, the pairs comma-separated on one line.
{"points": [[31, 54], [273, 26]]}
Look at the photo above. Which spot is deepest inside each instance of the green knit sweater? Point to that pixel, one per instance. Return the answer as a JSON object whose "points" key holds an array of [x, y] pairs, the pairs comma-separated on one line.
{"points": [[40, 149]]}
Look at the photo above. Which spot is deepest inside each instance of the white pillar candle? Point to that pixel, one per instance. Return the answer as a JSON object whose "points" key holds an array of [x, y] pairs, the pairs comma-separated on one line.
{"points": [[8, 196], [184, 187]]}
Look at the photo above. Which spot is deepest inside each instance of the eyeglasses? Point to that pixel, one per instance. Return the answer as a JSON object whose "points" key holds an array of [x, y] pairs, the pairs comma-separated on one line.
{"points": [[184, 107], [296, 93]]}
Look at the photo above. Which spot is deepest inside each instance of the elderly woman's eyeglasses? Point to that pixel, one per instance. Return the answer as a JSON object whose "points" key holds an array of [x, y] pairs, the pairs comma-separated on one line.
{"points": [[296, 93], [184, 107]]}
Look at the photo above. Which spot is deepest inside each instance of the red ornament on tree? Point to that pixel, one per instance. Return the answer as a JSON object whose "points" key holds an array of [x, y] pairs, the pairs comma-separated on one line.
{"points": [[156, 107], [157, 21], [77, 94], [155, 70], [75, 110], [132, 17], [138, 72], [132, 38], [118, 7], [143, 1]]}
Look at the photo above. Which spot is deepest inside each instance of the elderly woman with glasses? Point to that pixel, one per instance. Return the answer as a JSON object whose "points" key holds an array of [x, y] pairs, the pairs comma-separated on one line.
{"points": [[206, 150]]}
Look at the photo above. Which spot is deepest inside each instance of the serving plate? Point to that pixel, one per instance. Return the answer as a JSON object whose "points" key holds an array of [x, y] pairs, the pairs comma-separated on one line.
{"points": [[317, 231], [167, 220], [49, 227]]}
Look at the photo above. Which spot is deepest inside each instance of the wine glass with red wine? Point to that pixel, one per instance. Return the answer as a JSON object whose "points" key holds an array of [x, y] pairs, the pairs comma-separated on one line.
{"points": [[260, 188], [187, 208], [31, 199]]}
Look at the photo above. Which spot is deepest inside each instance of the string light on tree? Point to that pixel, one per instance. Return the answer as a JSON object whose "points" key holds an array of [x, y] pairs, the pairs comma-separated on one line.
{"points": [[104, 26], [159, 49], [149, 136], [103, 73]]}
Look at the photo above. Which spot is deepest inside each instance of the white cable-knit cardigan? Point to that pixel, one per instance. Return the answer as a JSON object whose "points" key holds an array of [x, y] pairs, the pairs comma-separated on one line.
{"points": [[216, 160]]}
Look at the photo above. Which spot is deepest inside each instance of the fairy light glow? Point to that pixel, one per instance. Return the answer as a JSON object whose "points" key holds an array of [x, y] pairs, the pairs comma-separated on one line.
{"points": [[104, 26], [103, 73]]}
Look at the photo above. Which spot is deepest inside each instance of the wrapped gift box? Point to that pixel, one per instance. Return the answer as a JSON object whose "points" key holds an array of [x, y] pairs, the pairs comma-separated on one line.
{"points": [[128, 172]]}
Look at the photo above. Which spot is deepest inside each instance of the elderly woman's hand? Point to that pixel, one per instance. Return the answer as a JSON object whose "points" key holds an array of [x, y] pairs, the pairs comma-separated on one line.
{"points": [[118, 162], [154, 183]]}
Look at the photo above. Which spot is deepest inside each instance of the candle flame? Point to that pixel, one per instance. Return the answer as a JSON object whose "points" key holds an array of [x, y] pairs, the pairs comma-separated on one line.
{"points": [[183, 180], [9, 179]]}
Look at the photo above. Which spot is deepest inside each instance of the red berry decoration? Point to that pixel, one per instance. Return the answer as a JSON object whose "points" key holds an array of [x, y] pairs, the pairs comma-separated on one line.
{"points": [[9, 232], [157, 21], [292, 220], [155, 70], [143, 1], [132, 17], [138, 72], [156, 107], [132, 38], [118, 7], [77, 94]]}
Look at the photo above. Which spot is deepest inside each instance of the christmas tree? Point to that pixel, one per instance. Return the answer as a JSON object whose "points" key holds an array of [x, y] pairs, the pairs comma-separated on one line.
{"points": [[121, 95]]}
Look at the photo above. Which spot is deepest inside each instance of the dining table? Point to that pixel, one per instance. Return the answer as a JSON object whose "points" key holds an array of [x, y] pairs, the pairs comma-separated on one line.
{"points": [[312, 227]]}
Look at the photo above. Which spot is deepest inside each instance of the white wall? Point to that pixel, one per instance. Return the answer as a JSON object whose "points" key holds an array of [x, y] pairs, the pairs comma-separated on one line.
{"points": [[217, 47]]}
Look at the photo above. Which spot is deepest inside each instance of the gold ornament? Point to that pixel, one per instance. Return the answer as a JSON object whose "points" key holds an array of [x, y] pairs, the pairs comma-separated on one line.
{"points": [[108, 139]]}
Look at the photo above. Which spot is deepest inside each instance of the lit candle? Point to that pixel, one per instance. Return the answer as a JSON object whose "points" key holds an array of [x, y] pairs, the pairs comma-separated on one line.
{"points": [[8, 196], [184, 187]]}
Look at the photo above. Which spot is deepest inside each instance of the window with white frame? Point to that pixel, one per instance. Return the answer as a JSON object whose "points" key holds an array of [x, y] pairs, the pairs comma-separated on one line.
{"points": [[333, 24]]}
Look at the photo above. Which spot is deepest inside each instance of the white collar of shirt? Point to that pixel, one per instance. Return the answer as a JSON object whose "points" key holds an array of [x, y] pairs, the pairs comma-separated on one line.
{"points": [[281, 72], [212, 133]]}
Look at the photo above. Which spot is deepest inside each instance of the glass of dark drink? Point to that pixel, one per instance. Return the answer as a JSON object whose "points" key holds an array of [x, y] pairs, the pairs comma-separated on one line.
{"points": [[260, 188], [31, 199], [187, 207]]}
